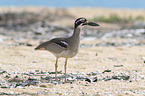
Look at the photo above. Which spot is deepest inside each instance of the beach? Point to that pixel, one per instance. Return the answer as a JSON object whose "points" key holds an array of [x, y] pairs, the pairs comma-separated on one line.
{"points": [[110, 62]]}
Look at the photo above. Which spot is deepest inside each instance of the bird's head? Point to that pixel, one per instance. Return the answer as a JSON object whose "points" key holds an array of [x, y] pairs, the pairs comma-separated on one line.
{"points": [[83, 21]]}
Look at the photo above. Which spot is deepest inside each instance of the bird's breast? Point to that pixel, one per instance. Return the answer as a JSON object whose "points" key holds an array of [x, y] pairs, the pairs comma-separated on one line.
{"points": [[67, 54]]}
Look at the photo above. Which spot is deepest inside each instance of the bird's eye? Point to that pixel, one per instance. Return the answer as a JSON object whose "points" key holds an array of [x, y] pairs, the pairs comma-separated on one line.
{"points": [[82, 20]]}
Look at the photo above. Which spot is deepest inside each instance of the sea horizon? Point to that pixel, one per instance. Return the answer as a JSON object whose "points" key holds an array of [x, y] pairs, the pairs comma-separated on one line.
{"points": [[119, 4]]}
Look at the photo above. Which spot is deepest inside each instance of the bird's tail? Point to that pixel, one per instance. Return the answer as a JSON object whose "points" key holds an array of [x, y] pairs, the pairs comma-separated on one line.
{"points": [[40, 47]]}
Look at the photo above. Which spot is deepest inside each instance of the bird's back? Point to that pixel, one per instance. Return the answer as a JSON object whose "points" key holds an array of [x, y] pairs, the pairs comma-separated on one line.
{"points": [[55, 46], [62, 47]]}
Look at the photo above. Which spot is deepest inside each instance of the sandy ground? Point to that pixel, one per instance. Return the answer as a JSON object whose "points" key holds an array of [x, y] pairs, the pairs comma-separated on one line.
{"points": [[20, 59], [93, 59], [79, 11]]}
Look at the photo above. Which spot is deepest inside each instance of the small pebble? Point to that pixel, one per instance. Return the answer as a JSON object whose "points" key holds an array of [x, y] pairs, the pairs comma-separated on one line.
{"points": [[36, 70], [96, 54], [82, 73], [1, 40], [118, 65], [58, 92], [11, 92], [71, 79], [48, 77], [28, 44], [55, 82], [1, 72], [35, 61], [43, 86], [143, 58], [95, 79], [88, 80], [106, 71], [31, 72], [20, 87]]}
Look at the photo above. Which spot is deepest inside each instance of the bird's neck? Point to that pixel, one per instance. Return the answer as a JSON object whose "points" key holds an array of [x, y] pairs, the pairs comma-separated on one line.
{"points": [[75, 40], [76, 33]]}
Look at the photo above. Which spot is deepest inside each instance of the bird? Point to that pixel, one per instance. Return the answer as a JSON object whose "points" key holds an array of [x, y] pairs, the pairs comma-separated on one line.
{"points": [[66, 47]]}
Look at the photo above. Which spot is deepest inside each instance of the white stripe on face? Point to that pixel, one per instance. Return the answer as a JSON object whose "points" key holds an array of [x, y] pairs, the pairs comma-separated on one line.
{"points": [[64, 42], [80, 20]]}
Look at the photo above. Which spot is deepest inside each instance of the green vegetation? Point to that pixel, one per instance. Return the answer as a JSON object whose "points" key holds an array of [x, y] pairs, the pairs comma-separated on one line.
{"points": [[114, 18]]}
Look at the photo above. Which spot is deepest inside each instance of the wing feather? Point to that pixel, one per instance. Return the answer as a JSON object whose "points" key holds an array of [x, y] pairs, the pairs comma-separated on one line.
{"points": [[56, 45]]}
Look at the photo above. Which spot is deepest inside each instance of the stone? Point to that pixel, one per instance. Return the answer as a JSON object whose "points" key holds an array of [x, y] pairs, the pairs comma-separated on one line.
{"points": [[88, 80], [106, 71], [35, 61]]}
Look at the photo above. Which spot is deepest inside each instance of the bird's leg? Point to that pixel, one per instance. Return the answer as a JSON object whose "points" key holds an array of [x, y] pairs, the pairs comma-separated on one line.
{"points": [[65, 68], [56, 69]]}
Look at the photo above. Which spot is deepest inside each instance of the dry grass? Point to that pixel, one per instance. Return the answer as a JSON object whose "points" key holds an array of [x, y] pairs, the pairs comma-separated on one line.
{"points": [[91, 12]]}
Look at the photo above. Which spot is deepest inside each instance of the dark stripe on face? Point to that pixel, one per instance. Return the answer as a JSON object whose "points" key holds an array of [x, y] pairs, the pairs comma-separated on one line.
{"points": [[80, 21]]}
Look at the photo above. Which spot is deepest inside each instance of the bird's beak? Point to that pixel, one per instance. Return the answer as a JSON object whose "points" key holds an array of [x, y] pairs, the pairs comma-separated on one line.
{"points": [[90, 23]]}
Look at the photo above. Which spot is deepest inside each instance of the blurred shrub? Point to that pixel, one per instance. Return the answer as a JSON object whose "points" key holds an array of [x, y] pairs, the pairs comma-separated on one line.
{"points": [[139, 18], [24, 18], [114, 18]]}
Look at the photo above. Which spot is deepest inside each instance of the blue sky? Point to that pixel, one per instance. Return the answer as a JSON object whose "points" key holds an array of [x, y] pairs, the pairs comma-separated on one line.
{"points": [[72, 3]]}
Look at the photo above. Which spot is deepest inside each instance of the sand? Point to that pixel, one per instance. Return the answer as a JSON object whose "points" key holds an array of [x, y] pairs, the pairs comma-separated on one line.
{"points": [[20, 59]]}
